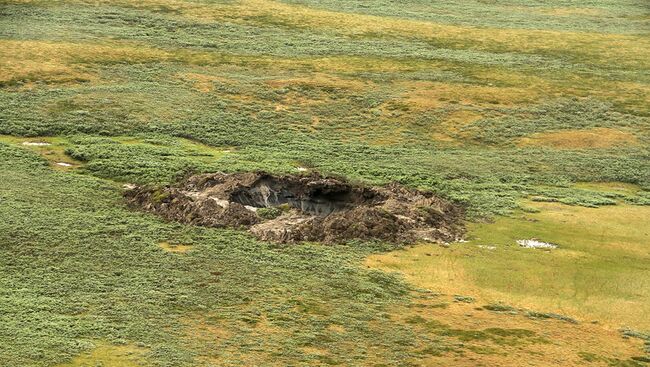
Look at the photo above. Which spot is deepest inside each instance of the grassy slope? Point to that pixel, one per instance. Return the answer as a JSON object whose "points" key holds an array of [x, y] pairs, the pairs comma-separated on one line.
{"points": [[82, 268], [482, 103]]}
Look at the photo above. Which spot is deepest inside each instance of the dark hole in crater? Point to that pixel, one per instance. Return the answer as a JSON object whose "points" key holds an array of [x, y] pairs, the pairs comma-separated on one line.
{"points": [[321, 199], [326, 209]]}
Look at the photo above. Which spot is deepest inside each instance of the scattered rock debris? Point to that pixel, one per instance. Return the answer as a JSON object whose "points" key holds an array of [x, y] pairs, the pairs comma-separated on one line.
{"points": [[296, 208], [533, 243]]}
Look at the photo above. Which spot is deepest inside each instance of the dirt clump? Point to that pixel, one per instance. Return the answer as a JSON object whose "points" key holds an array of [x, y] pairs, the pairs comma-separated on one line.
{"points": [[295, 208]]}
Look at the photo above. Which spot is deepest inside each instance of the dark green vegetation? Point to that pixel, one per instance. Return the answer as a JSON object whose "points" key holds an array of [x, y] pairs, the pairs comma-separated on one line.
{"points": [[365, 106], [481, 102], [78, 266]]}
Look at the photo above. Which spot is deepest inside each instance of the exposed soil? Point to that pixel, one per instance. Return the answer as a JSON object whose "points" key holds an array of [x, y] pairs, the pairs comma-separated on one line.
{"points": [[297, 208]]}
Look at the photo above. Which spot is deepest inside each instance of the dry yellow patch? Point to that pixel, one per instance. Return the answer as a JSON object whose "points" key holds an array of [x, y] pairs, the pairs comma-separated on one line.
{"points": [[27, 62], [552, 343], [137, 105], [108, 355], [177, 248], [452, 124], [444, 138], [575, 279], [392, 136], [315, 122], [205, 329], [630, 50], [336, 328], [320, 85], [60, 62], [426, 95], [214, 331], [542, 84], [571, 11], [320, 80], [615, 187], [599, 48], [314, 351], [208, 330], [635, 96], [581, 139], [204, 82], [24, 62], [462, 118], [296, 99]]}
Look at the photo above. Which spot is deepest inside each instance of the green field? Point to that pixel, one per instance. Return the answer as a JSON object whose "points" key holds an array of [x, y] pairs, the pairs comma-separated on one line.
{"points": [[533, 115]]}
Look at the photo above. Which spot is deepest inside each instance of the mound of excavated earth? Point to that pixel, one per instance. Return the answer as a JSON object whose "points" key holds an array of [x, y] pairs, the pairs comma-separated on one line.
{"points": [[304, 208]]}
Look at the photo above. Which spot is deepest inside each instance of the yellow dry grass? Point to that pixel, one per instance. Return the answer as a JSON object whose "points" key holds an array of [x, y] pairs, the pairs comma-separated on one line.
{"points": [[453, 123], [26, 62], [443, 138], [109, 355], [571, 11], [629, 50], [321, 80], [339, 329], [176, 248], [60, 62], [215, 332], [462, 118], [541, 84], [203, 82], [614, 187], [554, 342], [206, 328], [427, 95], [595, 274], [607, 49], [31, 61], [613, 49], [581, 139]]}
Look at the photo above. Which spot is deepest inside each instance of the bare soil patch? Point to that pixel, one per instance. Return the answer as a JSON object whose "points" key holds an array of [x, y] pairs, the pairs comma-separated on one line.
{"points": [[296, 208]]}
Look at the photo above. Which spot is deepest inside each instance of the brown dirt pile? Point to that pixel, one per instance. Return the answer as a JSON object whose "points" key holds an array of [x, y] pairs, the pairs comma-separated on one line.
{"points": [[304, 208]]}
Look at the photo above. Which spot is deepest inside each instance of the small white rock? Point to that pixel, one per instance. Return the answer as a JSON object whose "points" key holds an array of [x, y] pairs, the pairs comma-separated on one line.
{"points": [[251, 208], [63, 164], [36, 143], [536, 244], [221, 202]]}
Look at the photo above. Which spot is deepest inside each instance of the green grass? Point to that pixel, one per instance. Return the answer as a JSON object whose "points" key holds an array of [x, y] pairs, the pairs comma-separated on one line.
{"points": [[438, 96], [79, 267]]}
